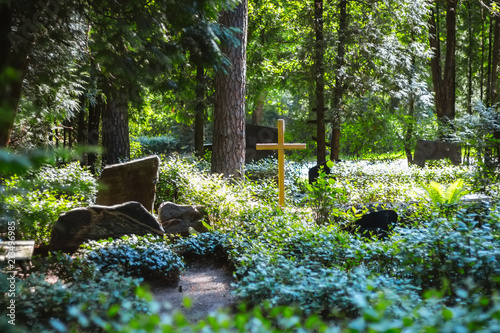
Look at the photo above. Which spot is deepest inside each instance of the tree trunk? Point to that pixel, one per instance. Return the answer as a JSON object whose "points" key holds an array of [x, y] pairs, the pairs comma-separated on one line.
{"points": [[95, 112], [339, 82], [81, 134], [115, 134], [320, 81], [14, 51], [470, 57], [494, 62], [493, 88], [199, 122], [258, 112], [443, 79], [228, 152]]}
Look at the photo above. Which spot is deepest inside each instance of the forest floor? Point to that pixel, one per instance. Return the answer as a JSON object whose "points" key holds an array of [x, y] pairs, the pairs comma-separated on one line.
{"points": [[207, 285]]}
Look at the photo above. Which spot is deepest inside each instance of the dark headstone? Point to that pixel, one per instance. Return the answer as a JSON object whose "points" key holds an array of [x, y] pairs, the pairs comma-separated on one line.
{"points": [[436, 150], [259, 134], [102, 222], [131, 181], [376, 223], [179, 219], [314, 171], [256, 134]]}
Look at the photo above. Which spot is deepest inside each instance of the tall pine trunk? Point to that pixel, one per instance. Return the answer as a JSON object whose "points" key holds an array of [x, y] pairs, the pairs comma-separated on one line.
{"points": [[320, 81], [115, 133], [228, 152], [339, 81]]}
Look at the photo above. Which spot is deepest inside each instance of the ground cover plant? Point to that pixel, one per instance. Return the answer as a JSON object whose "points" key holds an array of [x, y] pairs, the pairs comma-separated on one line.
{"points": [[438, 270]]}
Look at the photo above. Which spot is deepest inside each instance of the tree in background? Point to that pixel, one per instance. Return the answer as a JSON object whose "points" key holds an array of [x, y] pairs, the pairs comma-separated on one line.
{"points": [[228, 152], [444, 70]]}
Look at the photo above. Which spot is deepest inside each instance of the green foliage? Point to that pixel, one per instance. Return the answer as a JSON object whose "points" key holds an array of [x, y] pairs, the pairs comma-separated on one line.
{"points": [[323, 196], [35, 201], [160, 145], [448, 196], [209, 245], [188, 182], [433, 272], [141, 257], [83, 298]]}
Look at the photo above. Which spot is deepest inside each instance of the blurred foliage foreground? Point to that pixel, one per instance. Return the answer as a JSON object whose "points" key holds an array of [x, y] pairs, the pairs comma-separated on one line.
{"points": [[296, 269]]}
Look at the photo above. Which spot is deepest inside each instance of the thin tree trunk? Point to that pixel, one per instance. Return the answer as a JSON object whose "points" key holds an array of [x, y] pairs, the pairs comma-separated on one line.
{"points": [[115, 133], [199, 123], [494, 61], [95, 112], [339, 82], [320, 81], [228, 152], [469, 60], [81, 133], [258, 112]]}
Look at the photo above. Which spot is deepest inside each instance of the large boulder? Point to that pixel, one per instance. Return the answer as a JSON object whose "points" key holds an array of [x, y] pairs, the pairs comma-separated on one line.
{"points": [[132, 181], [102, 222], [179, 219]]}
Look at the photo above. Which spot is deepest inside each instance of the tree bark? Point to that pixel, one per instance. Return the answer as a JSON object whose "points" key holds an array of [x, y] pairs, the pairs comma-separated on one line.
{"points": [[199, 122], [443, 79], [492, 98], [339, 82], [470, 57], [115, 133], [228, 152], [320, 81]]}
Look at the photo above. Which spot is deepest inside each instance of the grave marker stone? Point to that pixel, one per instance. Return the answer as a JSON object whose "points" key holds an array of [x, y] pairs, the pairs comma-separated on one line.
{"points": [[377, 223], [132, 181]]}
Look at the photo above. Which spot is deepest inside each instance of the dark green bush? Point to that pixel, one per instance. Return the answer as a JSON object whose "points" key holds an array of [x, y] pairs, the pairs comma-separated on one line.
{"points": [[146, 257], [160, 145], [43, 306], [209, 245]]}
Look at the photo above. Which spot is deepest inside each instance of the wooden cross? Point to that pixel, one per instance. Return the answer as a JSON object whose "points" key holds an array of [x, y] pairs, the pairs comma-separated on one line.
{"points": [[280, 147]]}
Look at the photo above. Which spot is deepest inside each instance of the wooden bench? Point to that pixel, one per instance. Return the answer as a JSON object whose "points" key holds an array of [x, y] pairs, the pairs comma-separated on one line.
{"points": [[21, 252]]}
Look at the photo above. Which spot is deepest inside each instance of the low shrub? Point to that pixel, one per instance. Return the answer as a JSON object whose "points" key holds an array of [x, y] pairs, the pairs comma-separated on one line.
{"points": [[44, 306], [209, 245], [160, 145], [147, 257], [35, 201]]}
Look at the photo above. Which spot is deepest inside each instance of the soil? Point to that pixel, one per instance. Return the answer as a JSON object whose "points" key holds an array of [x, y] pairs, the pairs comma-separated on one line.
{"points": [[207, 285]]}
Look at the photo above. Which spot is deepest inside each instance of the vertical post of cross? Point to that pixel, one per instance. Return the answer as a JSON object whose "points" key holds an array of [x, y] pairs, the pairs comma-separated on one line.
{"points": [[281, 146]]}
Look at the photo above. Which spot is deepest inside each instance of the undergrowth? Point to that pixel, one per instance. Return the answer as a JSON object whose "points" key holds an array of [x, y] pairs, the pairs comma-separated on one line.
{"points": [[297, 269]]}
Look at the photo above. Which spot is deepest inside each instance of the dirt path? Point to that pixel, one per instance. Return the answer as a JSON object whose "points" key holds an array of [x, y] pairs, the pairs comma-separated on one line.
{"points": [[208, 287]]}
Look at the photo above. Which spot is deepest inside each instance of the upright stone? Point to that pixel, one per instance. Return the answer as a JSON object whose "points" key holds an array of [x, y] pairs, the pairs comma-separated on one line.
{"points": [[315, 171], [377, 223], [132, 181], [102, 222], [254, 135]]}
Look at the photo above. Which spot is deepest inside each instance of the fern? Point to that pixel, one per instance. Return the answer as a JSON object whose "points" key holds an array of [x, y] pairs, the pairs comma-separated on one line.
{"points": [[451, 195]]}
